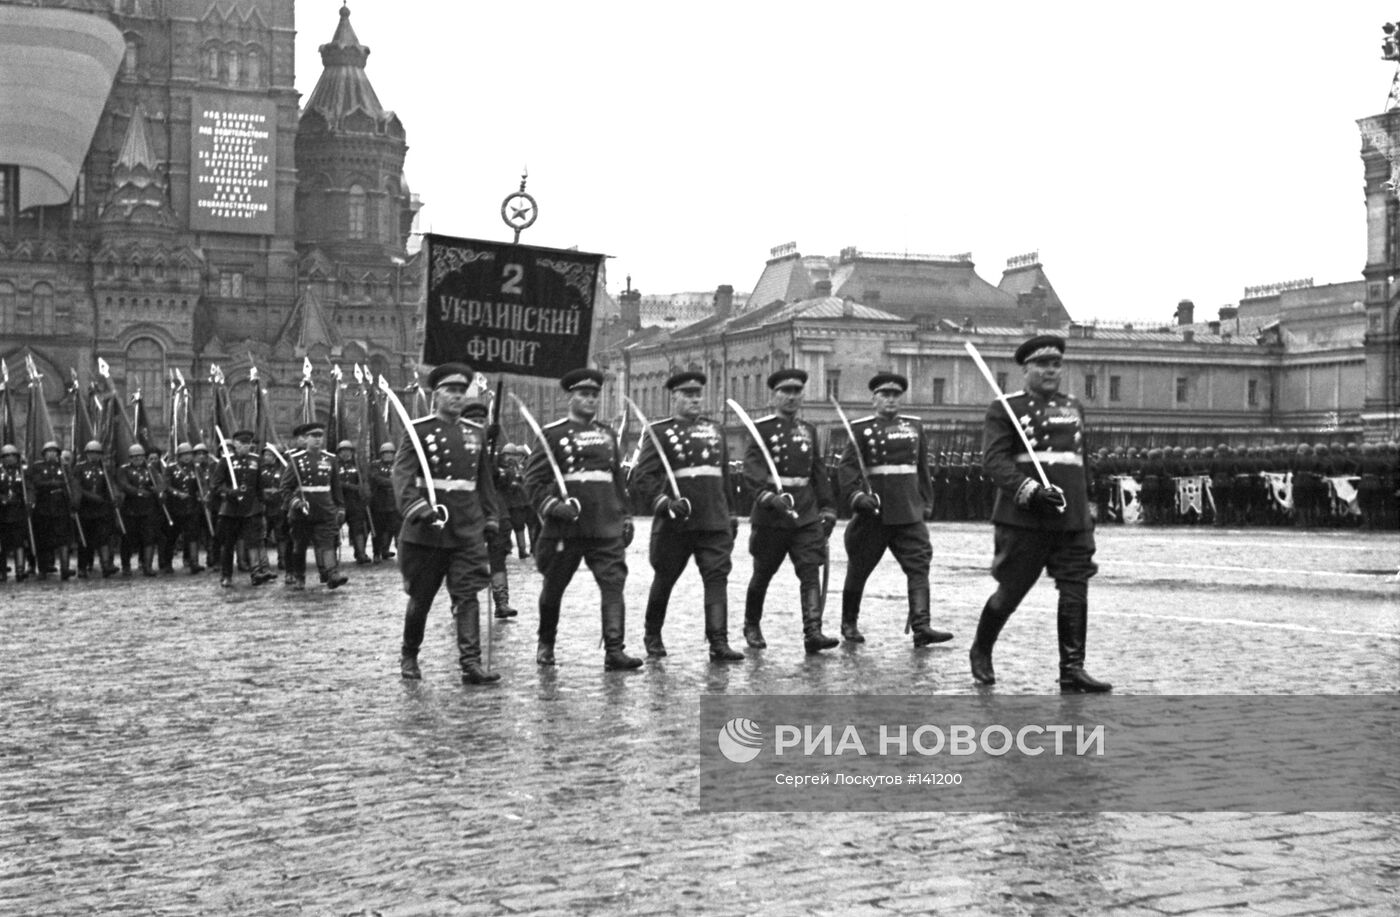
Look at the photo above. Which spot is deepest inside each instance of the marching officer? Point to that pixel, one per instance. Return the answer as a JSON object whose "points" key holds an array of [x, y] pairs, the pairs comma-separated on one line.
{"points": [[356, 509], [889, 506], [700, 521], [96, 511], [452, 548], [792, 520], [53, 528], [382, 509], [589, 522], [237, 482], [274, 511], [315, 508], [14, 513], [186, 511], [1038, 527], [141, 507]]}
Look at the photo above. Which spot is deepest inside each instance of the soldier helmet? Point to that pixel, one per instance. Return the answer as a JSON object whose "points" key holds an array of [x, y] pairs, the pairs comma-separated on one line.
{"points": [[386, 447], [93, 446], [1208, 451], [345, 444], [51, 445], [1191, 450], [1353, 447], [135, 449], [200, 447], [183, 448], [1368, 448], [9, 449], [1304, 449], [1154, 453]]}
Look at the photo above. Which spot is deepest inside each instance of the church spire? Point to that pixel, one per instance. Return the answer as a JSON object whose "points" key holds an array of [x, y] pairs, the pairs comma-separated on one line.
{"points": [[343, 88]]}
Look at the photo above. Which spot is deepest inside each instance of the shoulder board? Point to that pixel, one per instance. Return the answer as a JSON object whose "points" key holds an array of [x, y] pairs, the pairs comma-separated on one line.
{"points": [[555, 423], [910, 417], [865, 419], [425, 417], [657, 423], [470, 423], [1019, 393], [765, 418]]}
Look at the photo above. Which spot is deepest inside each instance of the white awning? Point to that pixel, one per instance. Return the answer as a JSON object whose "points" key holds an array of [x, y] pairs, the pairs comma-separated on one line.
{"points": [[56, 71]]}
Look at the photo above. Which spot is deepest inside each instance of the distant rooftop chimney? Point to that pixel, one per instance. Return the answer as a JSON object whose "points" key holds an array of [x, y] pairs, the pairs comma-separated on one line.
{"points": [[821, 288], [1229, 313], [782, 251], [1185, 312], [1029, 259], [1188, 335], [724, 300]]}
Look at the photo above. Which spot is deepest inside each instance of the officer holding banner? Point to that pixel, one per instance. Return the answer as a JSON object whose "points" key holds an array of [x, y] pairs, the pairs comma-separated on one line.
{"points": [[1039, 527]]}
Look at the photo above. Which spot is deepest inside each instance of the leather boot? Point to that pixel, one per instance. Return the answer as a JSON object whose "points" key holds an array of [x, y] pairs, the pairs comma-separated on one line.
{"points": [[408, 667], [358, 543], [469, 644], [717, 633], [544, 653], [924, 635], [989, 627], [613, 630], [262, 573], [65, 572], [330, 569], [1073, 623], [813, 640], [753, 613], [651, 638], [148, 556], [850, 612], [500, 595]]}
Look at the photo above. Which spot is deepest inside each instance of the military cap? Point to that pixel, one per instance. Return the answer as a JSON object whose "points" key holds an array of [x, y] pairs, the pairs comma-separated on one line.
{"points": [[343, 445], [686, 380], [583, 377], [135, 449], [386, 447], [450, 374], [9, 449], [314, 426], [200, 447], [881, 381], [782, 376], [51, 445], [475, 409], [95, 446], [1040, 347], [244, 436]]}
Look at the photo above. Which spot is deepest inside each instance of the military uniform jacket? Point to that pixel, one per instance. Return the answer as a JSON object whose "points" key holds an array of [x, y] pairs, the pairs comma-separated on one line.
{"points": [[351, 486], [895, 452], [184, 490], [94, 496], [48, 488], [1055, 427], [793, 446], [142, 486], [591, 461], [461, 468], [700, 461], [270, 483], [319, 478], [12, 507], [241, 495], [381, 487]]}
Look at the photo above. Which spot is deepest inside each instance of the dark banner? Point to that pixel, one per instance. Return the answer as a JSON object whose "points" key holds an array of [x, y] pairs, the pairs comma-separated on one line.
{"points": [[505, 308]]}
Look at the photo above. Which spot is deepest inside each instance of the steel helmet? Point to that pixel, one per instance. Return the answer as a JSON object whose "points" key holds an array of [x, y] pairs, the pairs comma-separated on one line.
{"points": [[135, 450], [93, 446]]}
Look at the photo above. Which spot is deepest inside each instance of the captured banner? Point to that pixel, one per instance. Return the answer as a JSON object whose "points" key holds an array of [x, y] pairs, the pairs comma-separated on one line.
{"points": [[506, 308]]}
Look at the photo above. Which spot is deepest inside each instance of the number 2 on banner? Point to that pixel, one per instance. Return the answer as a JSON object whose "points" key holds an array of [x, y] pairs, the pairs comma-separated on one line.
{"points": [[514, 274]]}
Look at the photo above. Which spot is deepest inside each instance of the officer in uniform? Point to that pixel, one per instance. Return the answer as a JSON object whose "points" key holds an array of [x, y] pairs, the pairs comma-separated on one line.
{"points": [[589, 523], [53, 528], [14, 513], [498, 541], [237, 482], [141, 485], [1038, 527], [432, 550], [315, 506], [186, 511], [382, 509], [699, 522], [795, 522], [511, 484], [356, 508], [891, 513], [96, 512], [274, 512]]}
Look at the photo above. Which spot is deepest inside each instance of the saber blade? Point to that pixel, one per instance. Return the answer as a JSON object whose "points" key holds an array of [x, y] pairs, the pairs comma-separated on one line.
{"points": [[661, 452], [438, 509]]}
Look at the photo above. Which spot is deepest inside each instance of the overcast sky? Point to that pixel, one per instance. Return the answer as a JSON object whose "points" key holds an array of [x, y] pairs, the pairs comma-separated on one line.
{"points": [[1149, 152]]}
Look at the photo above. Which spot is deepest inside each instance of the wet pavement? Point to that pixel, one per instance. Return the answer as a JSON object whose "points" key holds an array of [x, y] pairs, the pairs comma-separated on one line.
{"points": [[171, 748]]}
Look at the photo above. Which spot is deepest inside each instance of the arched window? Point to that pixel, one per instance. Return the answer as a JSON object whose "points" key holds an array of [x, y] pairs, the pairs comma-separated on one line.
{"points": [[388, 231], [24, 315], [145, 369], [132, 59], [7, 305], [252, 70], [356, 215], [230, 60], [210, 63], [63, 316], [43, 307]]}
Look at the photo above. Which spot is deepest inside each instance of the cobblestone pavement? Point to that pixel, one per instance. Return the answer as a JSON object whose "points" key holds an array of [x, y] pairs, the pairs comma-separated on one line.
{"points": [[169, 748]]}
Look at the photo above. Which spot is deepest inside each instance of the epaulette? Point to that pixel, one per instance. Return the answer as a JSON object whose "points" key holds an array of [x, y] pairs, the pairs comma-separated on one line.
{"points": [[657, 423], [471, 423], [765, 418], [910, 417], [1016, 394], [418, 420], [555, 423], [863, 419]]}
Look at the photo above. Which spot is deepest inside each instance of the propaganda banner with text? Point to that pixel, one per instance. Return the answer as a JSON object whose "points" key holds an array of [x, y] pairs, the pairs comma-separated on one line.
{"points": [[504, 308]]}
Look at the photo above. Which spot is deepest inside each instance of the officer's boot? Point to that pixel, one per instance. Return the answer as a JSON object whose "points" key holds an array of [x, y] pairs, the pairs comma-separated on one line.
{"points": [[192, 563], [651, 638], [614, 626], [330, 569], [1073, 621], [924, 635], [104, 554], [813, 640], [520, 543], [408, 665], [717, 632], [262, 573], [850, 613], [500, 595], [753, 613], [549, 627], [989, 627], [358, 543], [148, 556], [284, 550], [469, 644], [64, 571]]}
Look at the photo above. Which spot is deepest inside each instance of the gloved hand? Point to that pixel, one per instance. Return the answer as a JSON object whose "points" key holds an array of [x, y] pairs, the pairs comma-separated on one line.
{"points": [[867, 504], [676, 507], [339, 518], [629, 531], [828, 521], [782, 502], [422, 513], [928, 513], [492, 528], [563, 511], [1047, 500], [298, 506], [733, 526]]}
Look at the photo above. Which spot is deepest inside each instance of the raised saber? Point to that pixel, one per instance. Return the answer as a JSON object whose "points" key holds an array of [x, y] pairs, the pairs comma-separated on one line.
{"points": [[763, 450], [855, 447], [548, 451], [1010, 412], [438, 509], [660, 451]]}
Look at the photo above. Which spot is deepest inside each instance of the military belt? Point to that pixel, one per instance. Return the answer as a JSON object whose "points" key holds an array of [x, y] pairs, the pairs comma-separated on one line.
{"points": [[316, 489], [597, 477], [893, 469], [794, 482], [448, 484], [699, 471], [1053, 458]]}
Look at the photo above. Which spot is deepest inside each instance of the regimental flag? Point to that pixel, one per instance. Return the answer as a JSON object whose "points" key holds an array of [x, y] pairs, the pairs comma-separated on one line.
{"points": [[38, 425], [308, 392], [1193, 493], [337, 424], [142, 426], [223, 413], [83, 430], [1126, 502], [264, 430], [377, 427], [1280, 486], [7, 409], [1342, 490]]}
